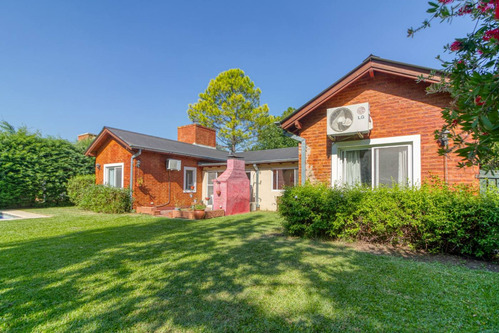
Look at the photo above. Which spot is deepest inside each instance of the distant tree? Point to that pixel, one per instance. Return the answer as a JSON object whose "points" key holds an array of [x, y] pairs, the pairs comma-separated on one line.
{"points": [[272, 137], [35, 169], [471, 78], [231, 106]]}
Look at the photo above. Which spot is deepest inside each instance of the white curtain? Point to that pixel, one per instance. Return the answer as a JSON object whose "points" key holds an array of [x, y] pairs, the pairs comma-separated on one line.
{"points": [[352, 167], [403, 166]]}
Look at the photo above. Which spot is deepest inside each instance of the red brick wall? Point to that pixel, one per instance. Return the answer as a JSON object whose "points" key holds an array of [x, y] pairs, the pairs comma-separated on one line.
{"points": [[398, 106], [151, 178], [113, 152], [197, 134], [151, 181]]}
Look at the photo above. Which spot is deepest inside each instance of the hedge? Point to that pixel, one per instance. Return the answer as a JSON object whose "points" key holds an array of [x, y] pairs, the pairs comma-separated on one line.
{"points": [[85, 194], [34, 170], [435, 218]]}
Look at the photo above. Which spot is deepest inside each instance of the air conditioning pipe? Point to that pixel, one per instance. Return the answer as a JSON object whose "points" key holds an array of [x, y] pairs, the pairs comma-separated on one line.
{"points": [[302, 152]]}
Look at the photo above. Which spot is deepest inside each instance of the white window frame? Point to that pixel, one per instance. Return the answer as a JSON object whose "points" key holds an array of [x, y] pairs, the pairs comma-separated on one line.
{"points": [[105, 176], [194, 179], [295, 177], [217, 174], [414, 152]]}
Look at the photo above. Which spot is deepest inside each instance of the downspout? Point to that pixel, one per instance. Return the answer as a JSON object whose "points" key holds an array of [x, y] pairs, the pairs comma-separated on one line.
{"points": [[132, 174], [256, 168], [302, 152]]}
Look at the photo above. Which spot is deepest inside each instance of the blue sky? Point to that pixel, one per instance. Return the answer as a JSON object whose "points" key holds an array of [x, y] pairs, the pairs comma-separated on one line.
{"points": [[70, 67]]}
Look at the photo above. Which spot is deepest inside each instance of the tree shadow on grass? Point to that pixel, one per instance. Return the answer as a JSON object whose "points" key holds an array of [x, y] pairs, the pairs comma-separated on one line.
{"points": [[229, 274]]}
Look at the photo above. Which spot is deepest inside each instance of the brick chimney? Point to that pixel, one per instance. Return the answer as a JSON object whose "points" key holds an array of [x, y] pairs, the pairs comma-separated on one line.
{"points": [[197, 135], [86, 136]]}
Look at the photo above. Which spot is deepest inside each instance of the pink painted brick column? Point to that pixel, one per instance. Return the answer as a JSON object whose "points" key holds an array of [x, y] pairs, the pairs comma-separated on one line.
{"points": [[232, 189]]}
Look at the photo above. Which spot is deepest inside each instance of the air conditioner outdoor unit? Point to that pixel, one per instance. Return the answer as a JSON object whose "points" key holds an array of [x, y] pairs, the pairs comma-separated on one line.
{"points": [[348, 120], [174, 165]]}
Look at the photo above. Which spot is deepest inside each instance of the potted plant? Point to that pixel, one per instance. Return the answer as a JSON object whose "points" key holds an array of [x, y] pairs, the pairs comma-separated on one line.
{"points": [[199, 211]]}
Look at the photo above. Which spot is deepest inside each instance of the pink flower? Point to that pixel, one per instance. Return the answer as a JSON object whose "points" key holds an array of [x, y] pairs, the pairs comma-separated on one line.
{"points": [[478, 101], [445, 2], [467, 9], [490, 34], [486, 6], [456, 46]]}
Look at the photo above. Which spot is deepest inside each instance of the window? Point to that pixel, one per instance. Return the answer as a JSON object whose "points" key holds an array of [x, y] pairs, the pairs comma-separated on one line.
{"points": [[377, 166], [113, 175], [375, 162], [284, 177], [189, 179]]}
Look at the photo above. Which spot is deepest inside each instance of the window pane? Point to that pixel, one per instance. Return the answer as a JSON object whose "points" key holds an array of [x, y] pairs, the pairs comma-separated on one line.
{"points": [[282, 178], [289, 177], [189, 179], [358, 165], [391, 165], [118, 177], [111, 176]]}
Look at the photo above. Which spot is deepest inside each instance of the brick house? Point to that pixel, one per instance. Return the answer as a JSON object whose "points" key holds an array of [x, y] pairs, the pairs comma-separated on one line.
{"points": [[197, 163], [397, 144]]}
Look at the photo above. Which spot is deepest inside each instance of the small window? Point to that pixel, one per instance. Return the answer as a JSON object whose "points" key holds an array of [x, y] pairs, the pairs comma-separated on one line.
{"points": [[189, 179], [113, 175], [284, 177]]}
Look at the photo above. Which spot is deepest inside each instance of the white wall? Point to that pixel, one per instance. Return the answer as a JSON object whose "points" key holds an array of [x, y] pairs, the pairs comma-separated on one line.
{"points": [[267, 196]]}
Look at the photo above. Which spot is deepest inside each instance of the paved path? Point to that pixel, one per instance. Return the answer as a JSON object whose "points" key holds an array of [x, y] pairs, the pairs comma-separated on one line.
{"points": [[23, 215]]}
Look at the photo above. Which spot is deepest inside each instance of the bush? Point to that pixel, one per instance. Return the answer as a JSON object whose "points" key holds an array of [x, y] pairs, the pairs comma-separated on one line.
{"points": [[35, 170], [77, 186], [105, 199], [435, 218]]}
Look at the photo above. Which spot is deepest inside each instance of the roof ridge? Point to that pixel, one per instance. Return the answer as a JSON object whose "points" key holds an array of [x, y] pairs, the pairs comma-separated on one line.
{"points": [[159, 137]]}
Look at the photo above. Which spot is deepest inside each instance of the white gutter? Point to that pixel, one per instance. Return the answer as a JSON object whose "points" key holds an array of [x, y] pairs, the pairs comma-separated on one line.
{"points": [[132, 173], [302, 152], [256, 168]]}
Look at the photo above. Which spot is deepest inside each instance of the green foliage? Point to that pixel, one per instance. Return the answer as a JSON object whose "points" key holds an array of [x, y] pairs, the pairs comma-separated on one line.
{"points": [[199, 207], [272, 137], [104, 199], [35, 170], [472, 80], [435, 217], [77, 187], [231, 106]]}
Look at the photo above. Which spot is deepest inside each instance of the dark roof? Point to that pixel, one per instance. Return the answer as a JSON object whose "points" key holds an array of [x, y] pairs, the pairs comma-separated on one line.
{"points": [[153, 143], [266, 156], [209, 156]]}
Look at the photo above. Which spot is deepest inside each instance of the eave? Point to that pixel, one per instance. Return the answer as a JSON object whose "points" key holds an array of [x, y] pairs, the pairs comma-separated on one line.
{"points": [[370, 66]]}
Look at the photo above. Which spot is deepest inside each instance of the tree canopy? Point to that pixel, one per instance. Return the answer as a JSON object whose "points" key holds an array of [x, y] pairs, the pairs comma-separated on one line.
{"points": [[231, 106], [471, 78], [272, 137]]}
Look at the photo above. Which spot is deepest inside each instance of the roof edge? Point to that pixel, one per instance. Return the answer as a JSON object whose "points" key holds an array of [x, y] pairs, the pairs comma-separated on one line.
{"points": [[372, 63]]}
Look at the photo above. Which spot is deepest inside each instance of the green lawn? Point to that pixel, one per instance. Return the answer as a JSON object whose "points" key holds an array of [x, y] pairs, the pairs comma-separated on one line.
{"points": [[92, 272]]}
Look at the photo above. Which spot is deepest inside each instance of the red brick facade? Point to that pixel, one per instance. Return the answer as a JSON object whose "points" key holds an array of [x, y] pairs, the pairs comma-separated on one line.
{"points": [[151, 177], [399, 107], [152, 181], [196, 134], [112, 152]]}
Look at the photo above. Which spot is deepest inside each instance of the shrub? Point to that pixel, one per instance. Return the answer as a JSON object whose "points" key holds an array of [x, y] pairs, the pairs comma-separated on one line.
{"points": [[35, 170], [435, 218], [77, 187], [105, 199]]}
